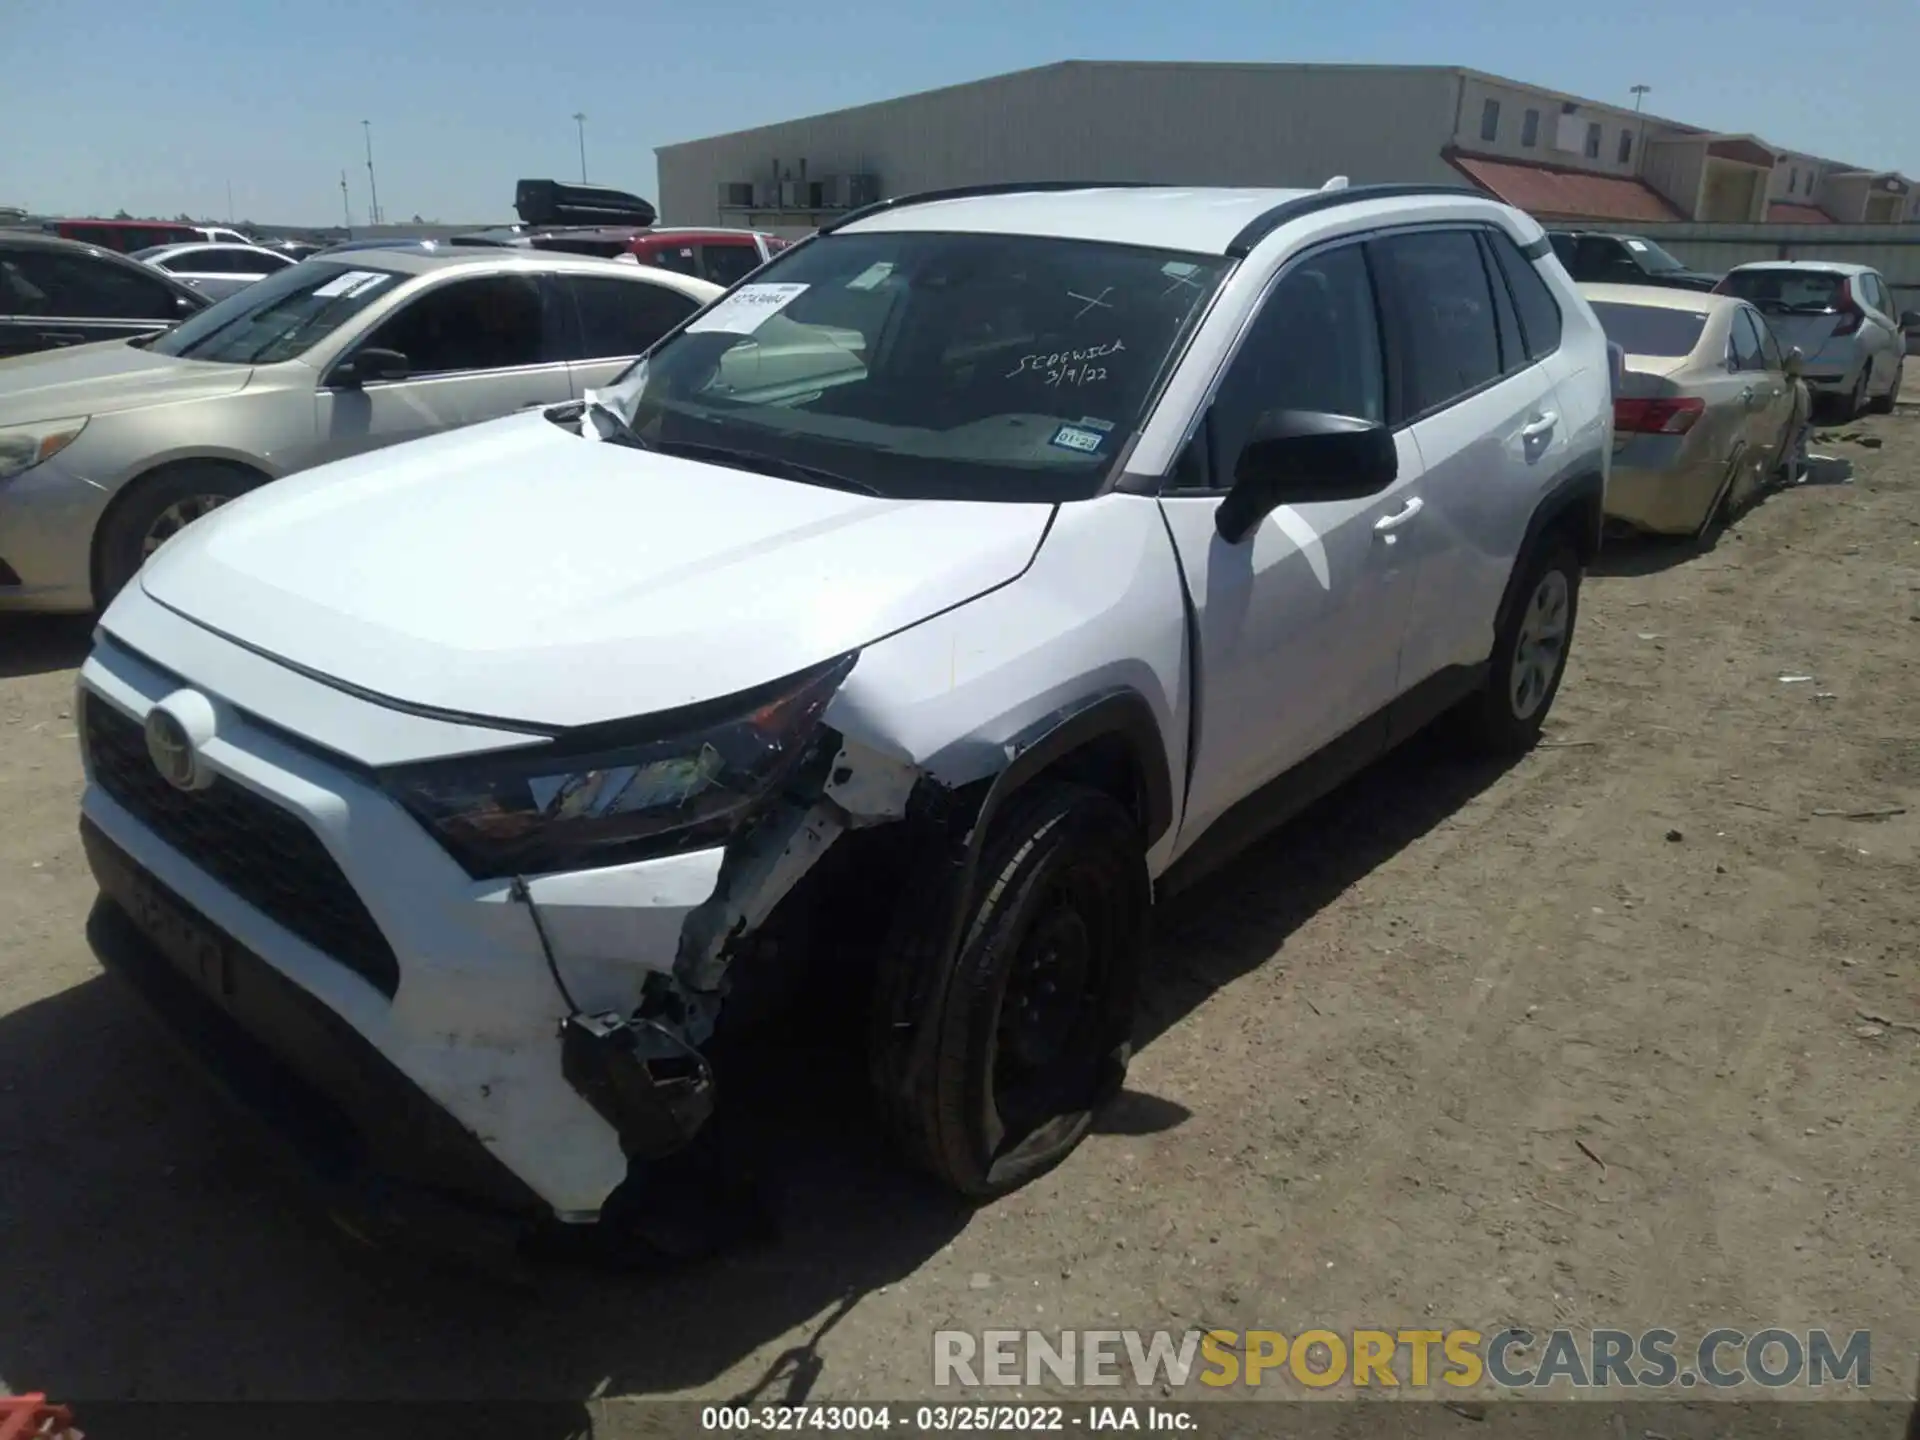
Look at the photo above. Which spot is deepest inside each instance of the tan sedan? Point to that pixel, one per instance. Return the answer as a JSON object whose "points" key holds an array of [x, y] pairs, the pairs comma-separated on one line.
{"points": [[1709, 410]]}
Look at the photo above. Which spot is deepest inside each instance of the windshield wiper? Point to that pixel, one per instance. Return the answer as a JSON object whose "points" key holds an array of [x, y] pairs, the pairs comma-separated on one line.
{"points": [[774, 465]]}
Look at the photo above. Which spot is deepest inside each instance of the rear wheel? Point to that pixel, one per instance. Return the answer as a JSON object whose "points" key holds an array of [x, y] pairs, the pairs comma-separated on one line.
{"points": [[1529, 657], [1883, 405], [1034, 1030], [153, 511], [1857, 400]]}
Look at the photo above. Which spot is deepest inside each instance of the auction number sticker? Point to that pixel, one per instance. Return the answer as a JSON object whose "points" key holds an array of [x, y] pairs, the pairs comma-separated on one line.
{"points": [[747, 309]]}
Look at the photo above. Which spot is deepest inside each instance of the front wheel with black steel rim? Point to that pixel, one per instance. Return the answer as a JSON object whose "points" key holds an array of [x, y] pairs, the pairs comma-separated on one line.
{"points": [[1529, 657], [1883, 405], [155, 509], [1032, 1029]]}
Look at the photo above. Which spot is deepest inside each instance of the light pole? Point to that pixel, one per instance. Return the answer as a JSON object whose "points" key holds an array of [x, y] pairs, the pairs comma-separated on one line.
{"points": [[373, 190], [346, 206], [1640, 142], [580, 124]]}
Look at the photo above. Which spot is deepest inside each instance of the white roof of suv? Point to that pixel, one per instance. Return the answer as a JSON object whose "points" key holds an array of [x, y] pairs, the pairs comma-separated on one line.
{"points": [[1167, 217]]}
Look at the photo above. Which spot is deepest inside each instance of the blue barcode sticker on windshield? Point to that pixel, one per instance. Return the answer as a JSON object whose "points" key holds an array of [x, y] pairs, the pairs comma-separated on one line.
{"points": [[1073, 437]]}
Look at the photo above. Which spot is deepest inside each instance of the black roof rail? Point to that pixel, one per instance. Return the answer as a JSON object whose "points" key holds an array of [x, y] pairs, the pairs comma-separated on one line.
{"points": [[1257, 230], [1000, 187]]}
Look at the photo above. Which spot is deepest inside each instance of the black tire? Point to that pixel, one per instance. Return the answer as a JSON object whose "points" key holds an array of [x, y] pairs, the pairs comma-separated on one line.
{"points": [[1494, 721], [1883, 405], [145, 505], [1062, 875], [1855, 405]]}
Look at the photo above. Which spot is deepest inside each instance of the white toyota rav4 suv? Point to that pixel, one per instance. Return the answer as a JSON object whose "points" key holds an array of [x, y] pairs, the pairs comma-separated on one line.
{"points": [[988, 564]]}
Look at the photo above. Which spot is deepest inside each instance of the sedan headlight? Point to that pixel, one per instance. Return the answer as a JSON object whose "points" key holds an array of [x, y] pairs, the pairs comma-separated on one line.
{"points": [[614, 794], [24, 446]]}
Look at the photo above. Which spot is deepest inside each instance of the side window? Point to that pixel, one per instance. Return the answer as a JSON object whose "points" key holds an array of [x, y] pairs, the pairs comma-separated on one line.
{"points": [[1769, 346], [1530, 129], [678, 258], [1513, 350], [83, 288], [203, 262], [493, 322], [1593, 140], [1490, 120], [1747, 352], [1440, 310], [1539, 312], [624, 317], [1315, 345], [1877, 291], [726, 264]]}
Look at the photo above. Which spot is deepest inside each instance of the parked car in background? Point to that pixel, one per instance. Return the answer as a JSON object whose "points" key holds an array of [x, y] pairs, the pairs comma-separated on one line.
{"points": [[1130, 521], [106, 450], [1594, 257], [722, 256], [216, 271], [58, 293], [293, 249], [1844, 320], [127, 236], [1709, 407]]}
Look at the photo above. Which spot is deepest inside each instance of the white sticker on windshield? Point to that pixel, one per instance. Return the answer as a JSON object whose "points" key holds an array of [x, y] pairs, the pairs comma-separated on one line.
{"points": [[352, 283], [871, 277], [1636, 245], [747, 309], [1072, 437]]}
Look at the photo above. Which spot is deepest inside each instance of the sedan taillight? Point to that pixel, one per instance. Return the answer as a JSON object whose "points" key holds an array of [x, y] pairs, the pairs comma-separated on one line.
{"points": [[1664, 416]]}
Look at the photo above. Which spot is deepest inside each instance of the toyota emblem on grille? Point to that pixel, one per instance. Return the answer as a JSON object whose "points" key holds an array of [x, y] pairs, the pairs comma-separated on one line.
{"points": [[170, 748]]}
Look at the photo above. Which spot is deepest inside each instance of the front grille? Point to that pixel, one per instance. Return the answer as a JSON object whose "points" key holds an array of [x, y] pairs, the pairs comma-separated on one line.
{"points": [[265, 855]]}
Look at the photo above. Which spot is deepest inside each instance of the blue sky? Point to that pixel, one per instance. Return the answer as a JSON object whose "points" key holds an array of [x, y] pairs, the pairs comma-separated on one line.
{"points": [[157, 107]]}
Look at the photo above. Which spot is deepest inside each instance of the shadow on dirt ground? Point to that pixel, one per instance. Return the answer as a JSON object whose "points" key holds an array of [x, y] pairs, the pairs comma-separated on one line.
{"points": [[148, 1252], [39, 644]]}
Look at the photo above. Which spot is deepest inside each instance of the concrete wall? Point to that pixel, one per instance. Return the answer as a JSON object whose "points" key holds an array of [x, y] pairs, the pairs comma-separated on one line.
{"points": [[1281, 125], [1893, 250]]}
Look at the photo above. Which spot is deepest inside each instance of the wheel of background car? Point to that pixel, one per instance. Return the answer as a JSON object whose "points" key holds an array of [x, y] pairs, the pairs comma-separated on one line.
{"points": [[1529, 656], [1857, 401], [153, 509], [1883, 404], [1033, 1032]]}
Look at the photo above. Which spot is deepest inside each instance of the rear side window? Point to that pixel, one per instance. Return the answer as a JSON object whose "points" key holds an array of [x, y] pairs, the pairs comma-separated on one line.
{"points": [[1440, 309], [1748, 353], [680, 259], [1651, 329], [624, 317], [1538, 311]]}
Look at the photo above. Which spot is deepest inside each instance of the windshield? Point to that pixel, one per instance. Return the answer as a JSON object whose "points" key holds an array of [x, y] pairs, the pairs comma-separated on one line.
{"points": [[1652, 258], [1807, 292], [937, 366], [279, 317], [1651, 329]]}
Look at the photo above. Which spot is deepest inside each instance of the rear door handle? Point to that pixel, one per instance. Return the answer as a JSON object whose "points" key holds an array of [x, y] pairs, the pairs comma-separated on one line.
{"points": [[1544, 425], [1387, 524]]}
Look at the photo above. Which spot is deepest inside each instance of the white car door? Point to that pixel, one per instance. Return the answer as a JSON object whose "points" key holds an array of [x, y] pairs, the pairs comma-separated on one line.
{"points": [[616, 318], [477, 347], [1483, 412], [1298, 626]]}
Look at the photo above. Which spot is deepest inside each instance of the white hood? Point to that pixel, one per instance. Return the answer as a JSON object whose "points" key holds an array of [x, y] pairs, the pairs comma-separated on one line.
{"points": [[515, 571]]}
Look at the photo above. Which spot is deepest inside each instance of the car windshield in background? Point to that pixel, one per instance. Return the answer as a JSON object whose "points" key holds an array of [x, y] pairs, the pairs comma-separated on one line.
{"points": [[1650, 329], [1788, 292], [918, 365], [279, 317], [1652, 258]]}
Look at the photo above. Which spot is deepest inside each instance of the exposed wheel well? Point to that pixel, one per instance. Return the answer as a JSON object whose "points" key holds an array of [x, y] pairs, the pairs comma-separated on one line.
{"points": [[128, 492], [1106, 763]]}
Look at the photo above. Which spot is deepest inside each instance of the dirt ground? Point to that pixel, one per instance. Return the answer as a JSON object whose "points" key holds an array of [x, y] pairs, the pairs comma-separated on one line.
{"points": [[1374, 1052]]}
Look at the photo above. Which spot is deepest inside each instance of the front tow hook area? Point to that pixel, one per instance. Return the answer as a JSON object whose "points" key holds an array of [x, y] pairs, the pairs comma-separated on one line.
{"points": [[654, 1089]]}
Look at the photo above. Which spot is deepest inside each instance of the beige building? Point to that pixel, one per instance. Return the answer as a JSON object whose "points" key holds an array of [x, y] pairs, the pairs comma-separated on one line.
{"points": [[1561, 157]]}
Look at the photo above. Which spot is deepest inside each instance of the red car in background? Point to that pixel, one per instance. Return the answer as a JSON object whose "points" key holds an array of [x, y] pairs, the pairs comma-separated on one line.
{"points": [[722, 256]]}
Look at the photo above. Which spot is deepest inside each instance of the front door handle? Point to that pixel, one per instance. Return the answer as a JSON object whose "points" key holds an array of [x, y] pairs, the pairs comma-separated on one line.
{"points": [[1539, 427], [1387, 524]]}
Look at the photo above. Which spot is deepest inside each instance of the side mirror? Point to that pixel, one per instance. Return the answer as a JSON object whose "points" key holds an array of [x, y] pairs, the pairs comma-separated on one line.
{"points": [[1296, 456], [1796, 362], [364, 367]]}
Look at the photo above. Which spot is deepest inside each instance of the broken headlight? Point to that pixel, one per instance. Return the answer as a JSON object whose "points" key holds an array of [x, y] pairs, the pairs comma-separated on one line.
{"points": [[609, 794]]}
